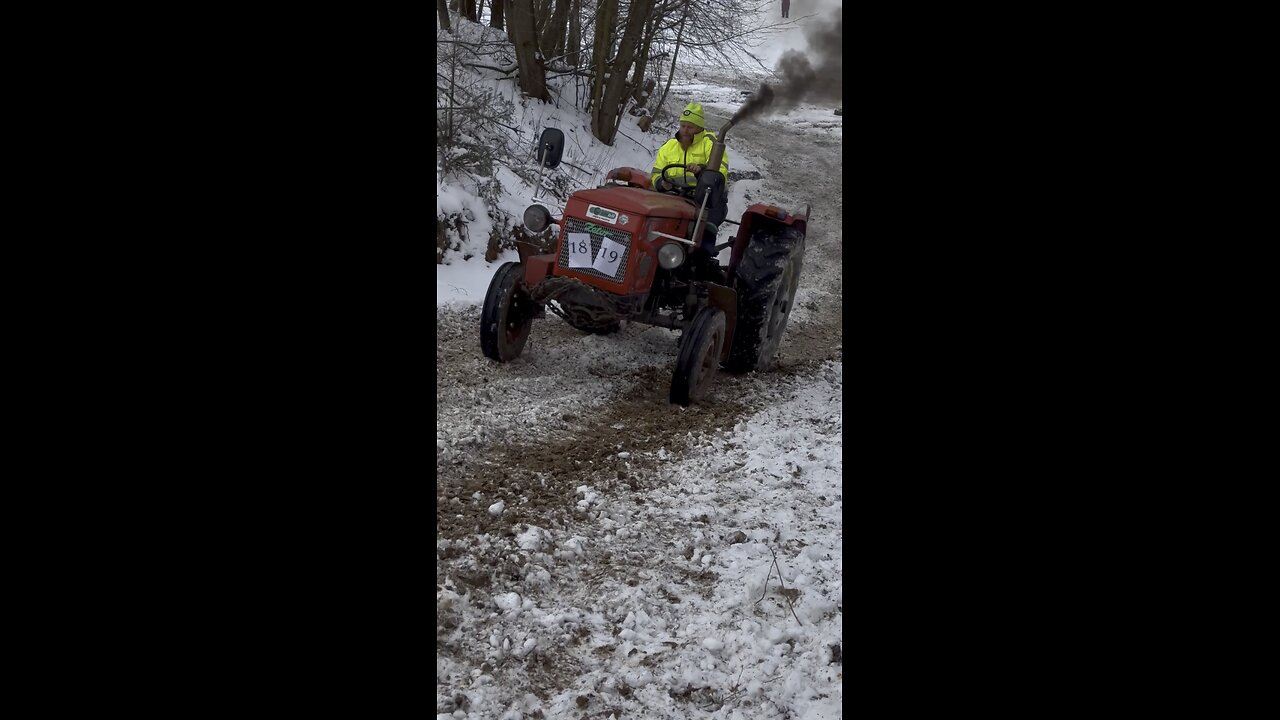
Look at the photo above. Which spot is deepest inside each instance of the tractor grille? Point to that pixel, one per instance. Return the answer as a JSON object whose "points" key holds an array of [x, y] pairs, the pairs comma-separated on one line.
{"points": [[596, 231]]}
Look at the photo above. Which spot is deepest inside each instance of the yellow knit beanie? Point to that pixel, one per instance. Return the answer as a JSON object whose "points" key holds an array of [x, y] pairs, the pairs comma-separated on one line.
{"points": [[693, 114]]}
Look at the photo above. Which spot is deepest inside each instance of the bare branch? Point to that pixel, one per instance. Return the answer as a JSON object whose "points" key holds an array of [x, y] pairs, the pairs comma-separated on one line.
{"points": [[784, 587], [504, 70]]}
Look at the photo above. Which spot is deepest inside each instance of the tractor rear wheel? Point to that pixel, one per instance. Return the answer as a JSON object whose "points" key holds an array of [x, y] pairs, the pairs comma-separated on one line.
{"points": [[506, 316], [766, 282], [700, 347]]}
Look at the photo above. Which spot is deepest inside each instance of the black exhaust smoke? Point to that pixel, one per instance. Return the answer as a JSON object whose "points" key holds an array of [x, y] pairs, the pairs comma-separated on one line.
{"points": [[800, 79], [817, 75]]}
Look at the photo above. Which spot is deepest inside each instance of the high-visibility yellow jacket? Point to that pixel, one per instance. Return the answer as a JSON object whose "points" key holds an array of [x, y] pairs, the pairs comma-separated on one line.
{"points": [[699, 153]]}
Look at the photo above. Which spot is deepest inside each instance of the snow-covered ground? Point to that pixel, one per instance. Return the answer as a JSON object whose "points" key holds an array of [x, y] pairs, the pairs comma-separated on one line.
{"points": [[602, 553], [817, 120], [699, 582]]}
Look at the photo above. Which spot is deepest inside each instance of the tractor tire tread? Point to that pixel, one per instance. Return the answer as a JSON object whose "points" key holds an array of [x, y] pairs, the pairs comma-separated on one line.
{"points": [[757, 279]]}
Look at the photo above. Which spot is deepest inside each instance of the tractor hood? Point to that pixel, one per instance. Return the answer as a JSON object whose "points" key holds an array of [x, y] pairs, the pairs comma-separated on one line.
{"points": [[636, 201]]}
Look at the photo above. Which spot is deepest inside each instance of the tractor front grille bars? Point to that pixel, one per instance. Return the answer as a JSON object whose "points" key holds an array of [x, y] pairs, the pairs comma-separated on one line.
{"points": [[598, 233]]}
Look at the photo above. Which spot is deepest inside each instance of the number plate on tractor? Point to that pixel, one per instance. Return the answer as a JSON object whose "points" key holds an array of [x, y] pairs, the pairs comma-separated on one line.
{"points": [[579, 249], [597, 250], [609, 259]]}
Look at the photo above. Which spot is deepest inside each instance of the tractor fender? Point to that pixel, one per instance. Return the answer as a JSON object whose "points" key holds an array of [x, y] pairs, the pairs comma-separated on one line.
{"points": [[761, 214], [726, 299], [537, 268], [633, 176]]}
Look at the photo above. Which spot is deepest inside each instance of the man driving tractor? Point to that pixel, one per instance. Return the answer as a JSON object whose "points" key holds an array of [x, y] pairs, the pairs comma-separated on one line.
{"points": [[691, 147]]}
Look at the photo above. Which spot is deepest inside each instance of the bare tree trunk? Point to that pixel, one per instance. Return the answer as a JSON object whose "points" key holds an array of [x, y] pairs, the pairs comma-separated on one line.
{"points": [[575, 34], [453, 84], [562, 27], [495, 18], [454, 5], [674, 54], [632, 89], [642, 62], [542, 13], [442, 11], [469, 9], [614, 89], [553, 31], [606, 12], [533, 73]]}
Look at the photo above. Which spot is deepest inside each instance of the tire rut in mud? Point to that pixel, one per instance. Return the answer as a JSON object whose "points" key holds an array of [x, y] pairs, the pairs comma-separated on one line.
{"points": [[619, 446]]}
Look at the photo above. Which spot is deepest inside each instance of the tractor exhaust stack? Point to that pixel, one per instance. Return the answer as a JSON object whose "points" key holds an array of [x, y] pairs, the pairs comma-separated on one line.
{"points": [[713, 165]]}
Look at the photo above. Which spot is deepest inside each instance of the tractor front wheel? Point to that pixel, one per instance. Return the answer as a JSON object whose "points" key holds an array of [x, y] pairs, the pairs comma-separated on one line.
{"points": [[507, 315], [699, 358]]}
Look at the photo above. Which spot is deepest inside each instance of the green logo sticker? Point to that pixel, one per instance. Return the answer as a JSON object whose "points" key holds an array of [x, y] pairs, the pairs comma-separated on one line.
{"points": [[605, 214]]}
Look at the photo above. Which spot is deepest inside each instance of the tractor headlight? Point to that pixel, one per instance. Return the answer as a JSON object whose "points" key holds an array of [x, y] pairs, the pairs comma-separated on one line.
{"points": [[536, 218], [670, 255]]}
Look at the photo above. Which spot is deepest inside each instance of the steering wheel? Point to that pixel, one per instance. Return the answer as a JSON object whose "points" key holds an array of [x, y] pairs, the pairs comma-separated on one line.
{"points": [[685, 184]]}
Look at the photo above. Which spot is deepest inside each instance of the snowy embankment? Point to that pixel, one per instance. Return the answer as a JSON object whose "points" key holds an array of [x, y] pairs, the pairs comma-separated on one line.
{"points": [[464, 275]]}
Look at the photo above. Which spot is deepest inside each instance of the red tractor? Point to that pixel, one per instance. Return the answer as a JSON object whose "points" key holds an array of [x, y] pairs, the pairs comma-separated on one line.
{"points": [[625, 252]]}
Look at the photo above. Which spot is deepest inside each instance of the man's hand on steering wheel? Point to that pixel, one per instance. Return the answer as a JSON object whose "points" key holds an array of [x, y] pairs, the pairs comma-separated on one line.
{"points": [[666, 184]]}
